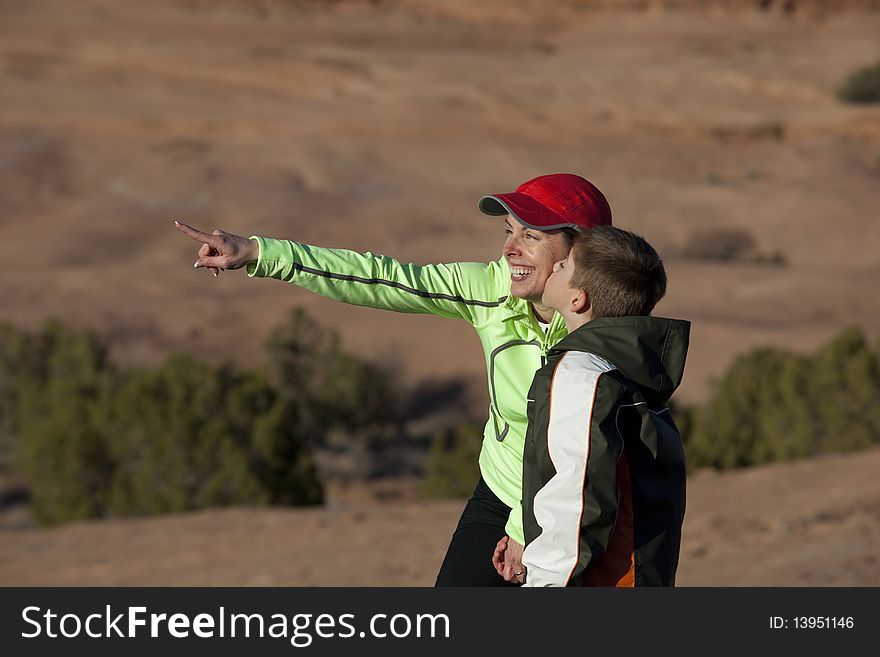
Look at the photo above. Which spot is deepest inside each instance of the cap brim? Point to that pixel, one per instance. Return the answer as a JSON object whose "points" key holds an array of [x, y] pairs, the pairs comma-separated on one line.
{"points": [[525, 210]]}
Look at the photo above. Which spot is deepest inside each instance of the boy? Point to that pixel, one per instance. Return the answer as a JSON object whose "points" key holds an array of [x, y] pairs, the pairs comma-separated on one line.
{"points": [[603, 463]]}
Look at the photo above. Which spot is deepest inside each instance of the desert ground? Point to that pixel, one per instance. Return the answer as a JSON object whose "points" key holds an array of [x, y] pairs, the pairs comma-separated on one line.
{"points": [[376, 126], [809, 523]]}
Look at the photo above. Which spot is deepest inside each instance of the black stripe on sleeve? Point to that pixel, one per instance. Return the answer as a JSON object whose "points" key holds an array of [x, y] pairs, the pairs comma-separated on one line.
{"points": [[399, 286]]}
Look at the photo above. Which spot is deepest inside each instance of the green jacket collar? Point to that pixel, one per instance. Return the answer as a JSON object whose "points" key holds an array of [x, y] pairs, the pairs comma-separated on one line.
{"points": [[515, 308]]}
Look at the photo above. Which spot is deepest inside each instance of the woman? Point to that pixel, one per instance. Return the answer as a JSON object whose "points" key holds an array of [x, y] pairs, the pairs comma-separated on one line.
{"points": [[501, 300]]}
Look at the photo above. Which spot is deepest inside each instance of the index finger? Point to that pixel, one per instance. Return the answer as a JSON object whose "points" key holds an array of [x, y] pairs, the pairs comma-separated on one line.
{"points": [[198, 235]]}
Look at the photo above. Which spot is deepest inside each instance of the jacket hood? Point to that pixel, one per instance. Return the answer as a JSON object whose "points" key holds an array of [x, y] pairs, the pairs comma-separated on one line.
{"points": [[650, 351]]}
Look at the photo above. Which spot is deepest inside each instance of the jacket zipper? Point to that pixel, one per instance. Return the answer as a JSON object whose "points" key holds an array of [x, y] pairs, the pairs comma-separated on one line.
{"points": [[545, 339]]}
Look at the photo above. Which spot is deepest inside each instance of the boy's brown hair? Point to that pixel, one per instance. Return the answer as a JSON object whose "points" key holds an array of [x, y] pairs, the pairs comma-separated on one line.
{"points": [[619, 270]]}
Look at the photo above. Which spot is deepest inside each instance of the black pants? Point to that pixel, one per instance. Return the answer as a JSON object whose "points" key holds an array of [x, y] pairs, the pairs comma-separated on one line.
{"points": [[468, 559]]}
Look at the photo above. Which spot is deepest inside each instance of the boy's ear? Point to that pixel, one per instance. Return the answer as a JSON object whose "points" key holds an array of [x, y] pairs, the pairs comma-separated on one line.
{"points": [[581, 302]]}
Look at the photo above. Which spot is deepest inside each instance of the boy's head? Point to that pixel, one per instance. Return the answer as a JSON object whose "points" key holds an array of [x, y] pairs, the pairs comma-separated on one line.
{"points": [[608, 273]]}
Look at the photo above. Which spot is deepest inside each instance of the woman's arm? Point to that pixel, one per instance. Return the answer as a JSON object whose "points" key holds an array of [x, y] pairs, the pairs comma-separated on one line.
{"points": [[457, 290], [460, 290]]}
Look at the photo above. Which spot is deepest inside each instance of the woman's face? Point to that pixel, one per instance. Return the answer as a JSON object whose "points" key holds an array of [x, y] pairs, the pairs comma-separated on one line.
{"points": [[531, 255]]}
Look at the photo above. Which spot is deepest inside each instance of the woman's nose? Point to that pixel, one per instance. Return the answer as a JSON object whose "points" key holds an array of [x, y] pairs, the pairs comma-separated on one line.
{"points": [[512, 246]]}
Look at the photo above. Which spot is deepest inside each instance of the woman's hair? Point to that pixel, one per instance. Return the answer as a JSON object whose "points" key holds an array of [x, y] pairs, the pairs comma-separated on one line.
{"points": [[619, 270], [569, 234]]}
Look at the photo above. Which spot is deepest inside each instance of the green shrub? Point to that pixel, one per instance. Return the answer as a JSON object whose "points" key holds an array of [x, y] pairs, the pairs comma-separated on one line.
{"points": [[774, 405], [30, 362], [188, 436], [99, 441], [862, 86], [60, 379], [332, 390], [452, 467], [95, 439], [12, 371]]}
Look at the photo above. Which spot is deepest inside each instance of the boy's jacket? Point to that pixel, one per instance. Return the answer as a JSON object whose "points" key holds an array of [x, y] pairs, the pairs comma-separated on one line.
{"points": [[603, 464]]}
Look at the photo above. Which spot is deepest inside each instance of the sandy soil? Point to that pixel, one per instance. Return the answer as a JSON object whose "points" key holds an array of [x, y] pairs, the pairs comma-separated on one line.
{"points": [[377, 126], [809, 523]]}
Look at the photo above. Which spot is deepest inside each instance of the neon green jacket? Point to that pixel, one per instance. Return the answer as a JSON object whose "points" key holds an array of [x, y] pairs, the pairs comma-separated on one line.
{"points": [[514, 345]]}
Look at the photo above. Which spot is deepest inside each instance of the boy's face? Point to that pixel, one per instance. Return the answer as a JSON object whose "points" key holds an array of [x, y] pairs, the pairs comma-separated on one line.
{"points": [[558, 293]]}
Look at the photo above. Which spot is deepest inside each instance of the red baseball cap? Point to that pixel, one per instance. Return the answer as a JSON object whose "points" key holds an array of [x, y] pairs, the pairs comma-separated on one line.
{"points": [[557, 200]]}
